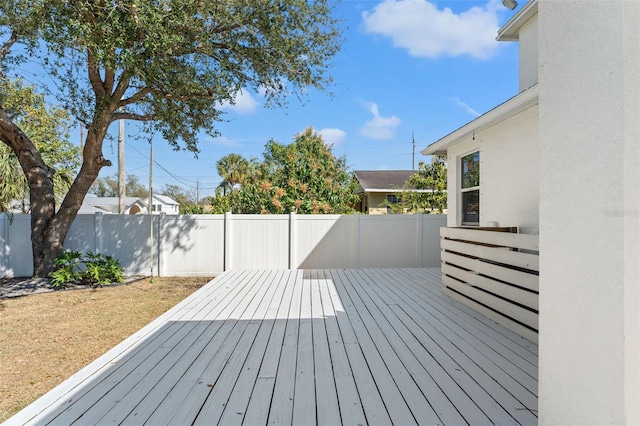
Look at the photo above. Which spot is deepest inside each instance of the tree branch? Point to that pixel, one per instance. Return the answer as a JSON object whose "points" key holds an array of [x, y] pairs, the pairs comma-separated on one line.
{"points": [[94, 75], [131, 116], [123, 85], [109, 79], [7, 45], [138, 96]]}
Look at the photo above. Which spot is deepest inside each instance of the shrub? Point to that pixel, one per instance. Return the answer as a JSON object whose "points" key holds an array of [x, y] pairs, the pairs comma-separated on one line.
{"points": [[93, 269]]}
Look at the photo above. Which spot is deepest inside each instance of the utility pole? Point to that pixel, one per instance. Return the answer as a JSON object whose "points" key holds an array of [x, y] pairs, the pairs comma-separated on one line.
{"points": [[150, 207], [197, 190], [122, 190], [413, 154]]}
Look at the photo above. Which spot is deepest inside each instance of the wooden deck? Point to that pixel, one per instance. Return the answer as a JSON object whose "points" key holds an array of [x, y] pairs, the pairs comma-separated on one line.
{"points": [[299, 347]]}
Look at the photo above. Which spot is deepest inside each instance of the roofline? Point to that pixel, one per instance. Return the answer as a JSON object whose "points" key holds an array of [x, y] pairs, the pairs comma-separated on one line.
{"points": [[511, 30], [522, 101]]}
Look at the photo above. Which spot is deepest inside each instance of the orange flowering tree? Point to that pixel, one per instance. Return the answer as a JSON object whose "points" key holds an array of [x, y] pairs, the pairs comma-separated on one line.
{"points": [[303, 177]]}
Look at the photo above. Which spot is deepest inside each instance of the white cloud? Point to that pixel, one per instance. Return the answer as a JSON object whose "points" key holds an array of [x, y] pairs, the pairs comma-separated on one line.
{"points": [[466, 107], [244, 103], [332, 137], [428, 32], [379, 127], [223, 140]]}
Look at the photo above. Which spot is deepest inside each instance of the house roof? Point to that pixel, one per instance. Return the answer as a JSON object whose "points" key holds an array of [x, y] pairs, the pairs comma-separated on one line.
{"points": [[522, 101], [382, 180], [111, 201], [165, 199], [88, 209], [511, 30]]}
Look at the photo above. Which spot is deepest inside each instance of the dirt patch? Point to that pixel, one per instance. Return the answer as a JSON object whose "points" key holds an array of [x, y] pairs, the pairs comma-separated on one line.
{"points": [[45, 338]]}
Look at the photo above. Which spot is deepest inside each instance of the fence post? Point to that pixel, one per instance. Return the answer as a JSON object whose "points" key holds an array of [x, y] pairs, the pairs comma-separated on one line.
{"points": [[4, 245], [357, 243], [227, 241], [159, 233], [420, 238], [292, 240], [98, 231]]}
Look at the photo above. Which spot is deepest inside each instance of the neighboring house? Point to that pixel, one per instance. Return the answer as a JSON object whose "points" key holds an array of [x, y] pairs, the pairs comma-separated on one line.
{"points": [[561, 159], [110, 205], [164, 204], [379, 186], [133, 205]]}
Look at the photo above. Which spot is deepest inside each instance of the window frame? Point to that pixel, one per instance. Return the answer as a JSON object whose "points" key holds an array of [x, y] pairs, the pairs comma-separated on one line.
{"points": [[462, 190]]}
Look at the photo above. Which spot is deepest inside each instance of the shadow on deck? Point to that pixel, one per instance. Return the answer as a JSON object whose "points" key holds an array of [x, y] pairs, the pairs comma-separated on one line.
{"points": [[371, 346]]}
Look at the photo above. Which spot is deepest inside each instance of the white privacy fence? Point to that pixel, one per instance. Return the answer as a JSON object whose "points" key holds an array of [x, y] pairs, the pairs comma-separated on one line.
{"points": [[203, 245]]}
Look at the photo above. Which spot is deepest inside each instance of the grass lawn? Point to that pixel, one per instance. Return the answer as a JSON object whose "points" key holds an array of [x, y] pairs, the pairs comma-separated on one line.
{"points": [[45, 338]]}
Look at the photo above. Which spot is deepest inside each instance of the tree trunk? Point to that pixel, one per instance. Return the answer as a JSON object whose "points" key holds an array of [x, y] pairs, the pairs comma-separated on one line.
{"points": [[48, 227]]}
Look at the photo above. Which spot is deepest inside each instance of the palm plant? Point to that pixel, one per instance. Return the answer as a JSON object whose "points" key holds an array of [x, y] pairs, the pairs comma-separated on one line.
{"points": [[234, 170]]}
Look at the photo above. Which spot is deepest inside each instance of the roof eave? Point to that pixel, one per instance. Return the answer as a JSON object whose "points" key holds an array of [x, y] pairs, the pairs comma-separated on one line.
{"points": [[511, 30], [522, 101]]}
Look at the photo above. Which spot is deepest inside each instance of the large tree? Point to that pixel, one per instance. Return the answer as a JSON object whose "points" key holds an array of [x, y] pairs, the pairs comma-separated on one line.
{"points": [[49, 130], [303, 177], [169, 64]]}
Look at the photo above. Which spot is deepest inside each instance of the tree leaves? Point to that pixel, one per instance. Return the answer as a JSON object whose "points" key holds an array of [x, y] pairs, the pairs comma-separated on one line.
{"points": [[169, 64], [303, 177], [431, 177], [48, 127]]}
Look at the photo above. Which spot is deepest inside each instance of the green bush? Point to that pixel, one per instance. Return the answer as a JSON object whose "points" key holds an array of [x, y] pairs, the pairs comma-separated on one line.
{"points": [[92, 269]]}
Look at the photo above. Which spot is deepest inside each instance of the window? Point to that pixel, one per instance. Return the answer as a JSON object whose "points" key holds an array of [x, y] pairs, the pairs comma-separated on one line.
{"points": [[392, 199], [470, 188]]}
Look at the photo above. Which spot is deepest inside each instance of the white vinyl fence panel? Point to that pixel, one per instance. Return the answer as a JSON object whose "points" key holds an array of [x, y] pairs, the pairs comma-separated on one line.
{"points": [[259, 241], [202, 245], [191, 245]]}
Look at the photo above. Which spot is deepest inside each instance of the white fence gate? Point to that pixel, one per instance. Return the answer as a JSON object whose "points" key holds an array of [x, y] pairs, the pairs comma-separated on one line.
{"points": [[204, 245]]}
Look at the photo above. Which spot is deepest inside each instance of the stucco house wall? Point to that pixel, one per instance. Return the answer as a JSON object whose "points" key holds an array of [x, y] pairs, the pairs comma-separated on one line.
{"points": [[589, 212], [528, 61], [509, 153], [374, 200]]}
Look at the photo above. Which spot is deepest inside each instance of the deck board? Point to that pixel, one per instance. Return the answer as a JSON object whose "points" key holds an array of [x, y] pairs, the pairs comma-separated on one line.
{"points": [[371, 346]]}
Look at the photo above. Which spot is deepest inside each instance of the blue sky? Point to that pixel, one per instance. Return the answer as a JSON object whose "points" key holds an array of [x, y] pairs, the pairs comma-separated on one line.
{"points": [[407, 66]]}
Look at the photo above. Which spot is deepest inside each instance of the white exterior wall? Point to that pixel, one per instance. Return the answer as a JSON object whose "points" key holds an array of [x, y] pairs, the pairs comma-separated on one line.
{"points": [[528, 41], [589, 212], [509, 154]]}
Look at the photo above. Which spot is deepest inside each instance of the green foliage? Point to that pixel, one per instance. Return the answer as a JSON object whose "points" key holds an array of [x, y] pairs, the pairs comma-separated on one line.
{"points": [[303, 177], [93, 269], [191, 209], [235, 170], [48, 127], [431, 177], [168, 64], [67, 268], [220, 204], [175, 62], [108, 187]]}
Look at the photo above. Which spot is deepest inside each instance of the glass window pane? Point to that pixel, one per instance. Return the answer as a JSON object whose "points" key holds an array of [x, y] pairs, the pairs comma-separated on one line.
{"points": [[471, 207], [471, 170]]}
